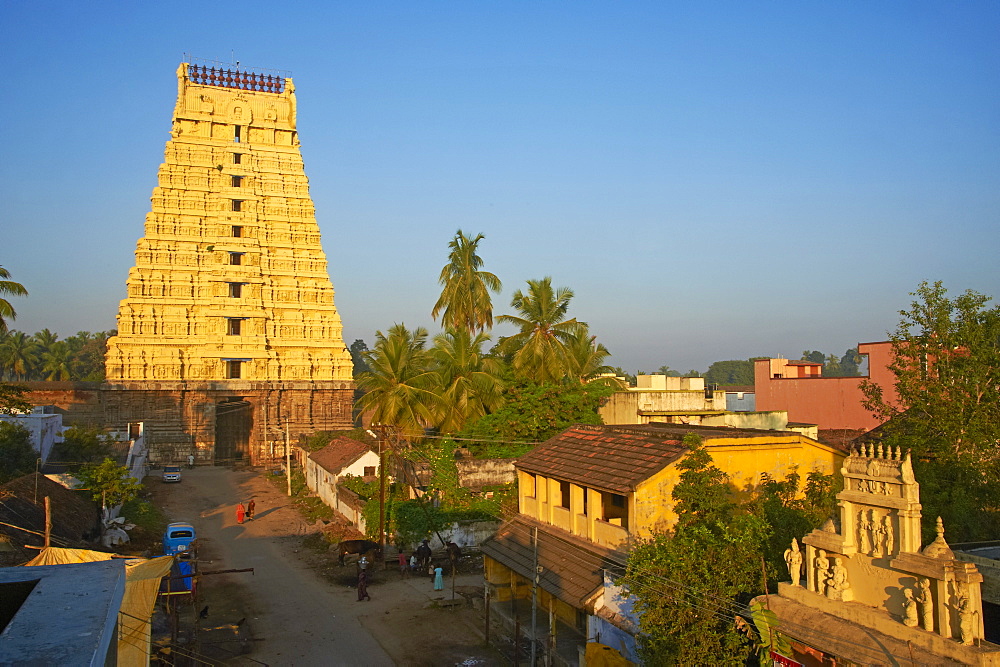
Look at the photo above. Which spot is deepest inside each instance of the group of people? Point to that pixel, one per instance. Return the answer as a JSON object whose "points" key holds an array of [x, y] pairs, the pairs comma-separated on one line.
{"points": [[245, 512], [406, 566]]}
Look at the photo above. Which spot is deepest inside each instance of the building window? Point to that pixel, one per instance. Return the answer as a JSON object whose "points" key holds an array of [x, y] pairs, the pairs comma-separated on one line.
{"points": [[237, 205], [235, 258], [530, 485], [585, 494], [237, 181], [237, 231], [369, 471], [234, 369], [564, 494], [236, 134], [237, 158], [235, 290], [234, 325], [617, 501]]}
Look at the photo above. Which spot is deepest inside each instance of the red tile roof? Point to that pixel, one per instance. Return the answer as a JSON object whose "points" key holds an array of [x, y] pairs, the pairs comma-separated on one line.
{"points": [[340, 453], [572, 568], [618, 458]]}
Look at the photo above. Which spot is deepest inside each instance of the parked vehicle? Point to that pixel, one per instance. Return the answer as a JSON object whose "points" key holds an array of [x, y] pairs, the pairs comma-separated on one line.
{"points": [[171, 473], [178, 538]]}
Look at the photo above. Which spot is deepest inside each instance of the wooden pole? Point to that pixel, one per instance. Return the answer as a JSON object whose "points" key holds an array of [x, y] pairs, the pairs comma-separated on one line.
{"points": [[288, 460], [48, 522]]}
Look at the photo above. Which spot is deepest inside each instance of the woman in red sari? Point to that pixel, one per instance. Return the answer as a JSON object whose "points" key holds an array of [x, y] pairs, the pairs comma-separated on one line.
{"points": [[241, 512]]}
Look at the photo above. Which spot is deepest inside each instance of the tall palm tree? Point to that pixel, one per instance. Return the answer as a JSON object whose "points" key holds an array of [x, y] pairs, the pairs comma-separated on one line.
{"points": [[18, 354], [465, 301], [466, 381], [45, 340], [538, 350], [8, 288], [57, 362], [398, 383], [586, 360]]}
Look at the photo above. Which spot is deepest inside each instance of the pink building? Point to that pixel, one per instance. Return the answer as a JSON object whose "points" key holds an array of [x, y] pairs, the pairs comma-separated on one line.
{"points": [[831, 403]]}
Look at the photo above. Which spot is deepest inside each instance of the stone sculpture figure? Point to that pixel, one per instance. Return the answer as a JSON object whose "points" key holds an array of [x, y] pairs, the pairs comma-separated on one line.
{"points": [[821, 564], [793, 559], [926, 600], [909, 609], [890, 537], [966, 618], [864, 533], [837, 585], [878, 535]]}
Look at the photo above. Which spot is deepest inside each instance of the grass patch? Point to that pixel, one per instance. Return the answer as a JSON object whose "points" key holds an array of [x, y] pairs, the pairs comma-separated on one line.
{"points": [[309, 506], [150, 523]]}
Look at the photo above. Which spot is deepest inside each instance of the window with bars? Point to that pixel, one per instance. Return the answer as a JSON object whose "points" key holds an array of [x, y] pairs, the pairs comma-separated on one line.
{"points": [[234, 325], [234, 369], [235, 290], [235, 258]]}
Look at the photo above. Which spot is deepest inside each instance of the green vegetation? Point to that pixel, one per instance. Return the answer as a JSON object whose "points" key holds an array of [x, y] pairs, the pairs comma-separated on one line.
{"points": [[146, 516], [465, 303], [109, 483], [689, 582], [309, 506], [17, 456], [84, 444], [947, 370], [43, 356], [8, 288], [12, 399]]}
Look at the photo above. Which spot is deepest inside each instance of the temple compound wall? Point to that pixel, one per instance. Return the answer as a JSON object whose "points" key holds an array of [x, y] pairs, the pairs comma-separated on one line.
{"points": [[228, 335]]}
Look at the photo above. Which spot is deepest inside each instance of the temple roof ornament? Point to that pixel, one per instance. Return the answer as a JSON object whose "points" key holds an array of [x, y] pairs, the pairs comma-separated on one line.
{"points": [[939, 548]]}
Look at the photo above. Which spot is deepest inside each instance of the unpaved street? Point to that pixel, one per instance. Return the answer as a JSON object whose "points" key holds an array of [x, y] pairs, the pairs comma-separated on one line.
{"points": [[296, 616]]}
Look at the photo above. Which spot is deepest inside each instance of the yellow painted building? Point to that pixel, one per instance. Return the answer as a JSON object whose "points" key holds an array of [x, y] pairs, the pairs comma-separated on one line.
{"points": [[229, 317], [586, 493]]}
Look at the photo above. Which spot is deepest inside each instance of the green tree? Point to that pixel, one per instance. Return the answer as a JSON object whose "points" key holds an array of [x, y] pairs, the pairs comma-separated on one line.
{"points": [[18, 354], [398, 386], [668, 371], [467, 382], [946, 363], [730, 372], [87, 352], [688, 582], [832, 369], [45, 339], [791, 514], [850, 363], [8, 288], [533, 412], [358, 349], [109, 483], [814, 356], [465, 301], [538, 350], [84, 443], [56, 362], [17, 456], [586, 357]]}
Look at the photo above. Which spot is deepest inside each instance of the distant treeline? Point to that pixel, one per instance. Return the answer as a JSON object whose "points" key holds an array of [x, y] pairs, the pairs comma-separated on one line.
{"points": [[43, 356]]}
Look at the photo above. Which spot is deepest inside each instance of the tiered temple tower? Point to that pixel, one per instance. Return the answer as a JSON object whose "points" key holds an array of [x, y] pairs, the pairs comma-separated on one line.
{"points": [[229, 331]]}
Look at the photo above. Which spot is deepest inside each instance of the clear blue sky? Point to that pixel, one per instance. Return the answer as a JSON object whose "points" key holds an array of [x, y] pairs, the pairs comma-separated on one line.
{"points": [[714, 180]]}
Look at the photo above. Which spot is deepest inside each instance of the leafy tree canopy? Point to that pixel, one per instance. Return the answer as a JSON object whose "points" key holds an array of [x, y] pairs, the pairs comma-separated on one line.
{"points": [[85, 444], [946, 364], [17, 456], [730, 372], [533, 412], [109, 483], [12, 399]]}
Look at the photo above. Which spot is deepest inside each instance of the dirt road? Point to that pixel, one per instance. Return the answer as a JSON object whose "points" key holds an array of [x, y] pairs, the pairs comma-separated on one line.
{"points": [[296, 615]]}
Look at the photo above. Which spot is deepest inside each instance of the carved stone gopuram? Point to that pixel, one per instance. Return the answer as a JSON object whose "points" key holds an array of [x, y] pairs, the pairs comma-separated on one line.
{"points": [[229, 325]]}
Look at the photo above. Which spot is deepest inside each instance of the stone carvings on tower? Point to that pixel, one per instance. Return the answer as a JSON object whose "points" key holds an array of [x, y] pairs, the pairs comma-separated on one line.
{"points": [[230, 289]]}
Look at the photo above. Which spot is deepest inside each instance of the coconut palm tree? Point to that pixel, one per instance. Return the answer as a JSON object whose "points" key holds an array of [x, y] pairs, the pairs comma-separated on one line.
{"points": [[538, 350], [45, 339], [465, 301], [397, 386], [8, 288], [466, 381], [57, 362], [586, 360], [18, 354]]}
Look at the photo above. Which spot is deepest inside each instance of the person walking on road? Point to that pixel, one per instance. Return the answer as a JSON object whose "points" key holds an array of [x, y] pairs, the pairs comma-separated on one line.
{"points": [[404, 567], [363, 586], [251, 506], [240, 512], [438, 579]]}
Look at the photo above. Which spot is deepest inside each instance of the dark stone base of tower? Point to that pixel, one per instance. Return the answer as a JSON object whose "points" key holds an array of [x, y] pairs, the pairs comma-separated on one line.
{"points": [[218, 422]]}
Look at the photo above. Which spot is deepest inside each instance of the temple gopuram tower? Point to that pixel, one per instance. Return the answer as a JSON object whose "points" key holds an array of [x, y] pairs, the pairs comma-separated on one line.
{"points": [[229, 333]]}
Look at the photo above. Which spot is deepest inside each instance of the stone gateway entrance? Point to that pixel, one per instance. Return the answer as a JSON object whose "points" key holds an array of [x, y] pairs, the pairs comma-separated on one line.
{"points": [[233, 423]]}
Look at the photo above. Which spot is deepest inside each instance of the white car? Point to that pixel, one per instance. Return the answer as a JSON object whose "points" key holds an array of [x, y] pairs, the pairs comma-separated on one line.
{"points": [[171, 473]]}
